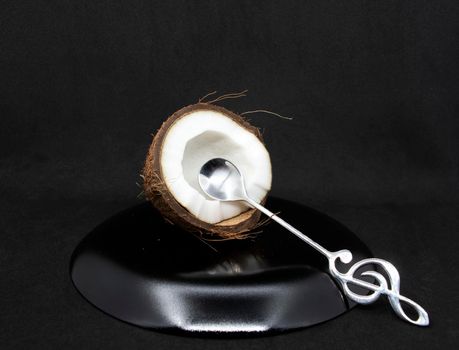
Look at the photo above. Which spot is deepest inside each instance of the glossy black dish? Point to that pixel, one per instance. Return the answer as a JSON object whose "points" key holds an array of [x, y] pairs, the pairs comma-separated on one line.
{"points": [[144, 271]]}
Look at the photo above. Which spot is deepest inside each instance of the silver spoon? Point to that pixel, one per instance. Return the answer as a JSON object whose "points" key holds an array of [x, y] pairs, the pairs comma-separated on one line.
{"points": [[222, 181]]}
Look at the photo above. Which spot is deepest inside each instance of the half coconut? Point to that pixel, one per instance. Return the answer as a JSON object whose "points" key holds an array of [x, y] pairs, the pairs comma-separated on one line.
{"points": [[186, 141]]}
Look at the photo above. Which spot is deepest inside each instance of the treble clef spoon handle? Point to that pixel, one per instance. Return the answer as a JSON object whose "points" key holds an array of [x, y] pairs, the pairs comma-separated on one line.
{"points": [[390, 287]]}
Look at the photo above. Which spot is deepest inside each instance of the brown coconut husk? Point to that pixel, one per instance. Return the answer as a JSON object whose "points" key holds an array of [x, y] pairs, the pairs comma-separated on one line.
{"points": [[156, 191]]}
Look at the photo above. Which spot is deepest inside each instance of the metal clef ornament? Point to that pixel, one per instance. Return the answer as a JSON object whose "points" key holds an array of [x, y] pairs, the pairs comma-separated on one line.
{"points": [[221, 180], [391, 289]]}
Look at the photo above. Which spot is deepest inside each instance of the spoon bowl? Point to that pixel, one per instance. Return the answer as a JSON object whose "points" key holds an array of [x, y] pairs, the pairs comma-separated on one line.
{"points": [[221, 180]]}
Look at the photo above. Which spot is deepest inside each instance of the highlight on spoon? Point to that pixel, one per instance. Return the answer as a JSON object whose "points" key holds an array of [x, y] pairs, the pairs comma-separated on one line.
{"points": [[221, 180]]}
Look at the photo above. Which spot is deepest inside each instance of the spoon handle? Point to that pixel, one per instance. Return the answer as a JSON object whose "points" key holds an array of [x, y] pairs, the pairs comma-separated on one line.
{"points": [[289, 227], [389, 287]]}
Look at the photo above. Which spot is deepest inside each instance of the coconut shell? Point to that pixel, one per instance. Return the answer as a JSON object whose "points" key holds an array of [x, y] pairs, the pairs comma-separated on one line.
{"points": [[158, 194]]}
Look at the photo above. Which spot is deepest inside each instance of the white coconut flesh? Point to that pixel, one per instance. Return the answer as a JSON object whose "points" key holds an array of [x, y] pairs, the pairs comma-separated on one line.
{"points": [[199, 137]]}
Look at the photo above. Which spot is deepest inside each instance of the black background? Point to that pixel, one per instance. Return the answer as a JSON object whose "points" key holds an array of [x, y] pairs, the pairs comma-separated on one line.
{"points": [[373, 89]]}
